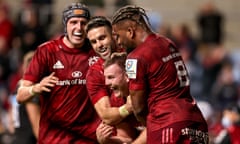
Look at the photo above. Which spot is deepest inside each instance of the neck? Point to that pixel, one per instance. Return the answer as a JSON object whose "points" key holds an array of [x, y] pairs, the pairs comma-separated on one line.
{"points": [[142, 36]]}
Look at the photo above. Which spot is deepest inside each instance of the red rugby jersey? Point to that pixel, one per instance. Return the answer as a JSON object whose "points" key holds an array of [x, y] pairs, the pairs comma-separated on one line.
{"points": [[67, 114], [157, 67], [96, 81]]}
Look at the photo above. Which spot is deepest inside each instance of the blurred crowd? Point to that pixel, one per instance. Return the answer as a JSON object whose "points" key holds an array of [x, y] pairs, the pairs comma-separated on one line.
{"points": [[214, 71]]}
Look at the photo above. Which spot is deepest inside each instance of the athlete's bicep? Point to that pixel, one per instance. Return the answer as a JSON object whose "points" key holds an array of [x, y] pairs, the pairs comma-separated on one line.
{"points": [[139, 104], [101, 105], [110, 115], [138, 100]]}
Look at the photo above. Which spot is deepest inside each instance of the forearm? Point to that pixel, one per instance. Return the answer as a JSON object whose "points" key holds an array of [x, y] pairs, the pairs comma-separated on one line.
{"points": [[116, 140], [110, 115], [119, 140], [28, 89], [139, 104], [33, 110], [106, 134], [114, 115], [142, 138], [141, 117], [25, 93]]}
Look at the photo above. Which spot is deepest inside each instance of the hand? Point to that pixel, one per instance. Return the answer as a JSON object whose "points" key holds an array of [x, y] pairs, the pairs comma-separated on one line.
{"points": [[46, 84], [128, 104], [129, 101], [104, 132]]}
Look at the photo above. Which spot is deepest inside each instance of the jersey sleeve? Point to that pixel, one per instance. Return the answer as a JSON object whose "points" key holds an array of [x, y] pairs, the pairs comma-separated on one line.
{"points": [[136, 69], [96, 85], [37, 67], [117, 101]]}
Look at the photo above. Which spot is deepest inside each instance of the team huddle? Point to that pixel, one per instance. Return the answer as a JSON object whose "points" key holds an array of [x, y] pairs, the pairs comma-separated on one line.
{"points": [[111, 82]]}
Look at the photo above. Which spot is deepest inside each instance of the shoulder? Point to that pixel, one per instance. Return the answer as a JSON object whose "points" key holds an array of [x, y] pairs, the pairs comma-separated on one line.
{"points": [[163, 41], [97, 63], [51, 45], [152, 44], [95, 71], [93, 58]]}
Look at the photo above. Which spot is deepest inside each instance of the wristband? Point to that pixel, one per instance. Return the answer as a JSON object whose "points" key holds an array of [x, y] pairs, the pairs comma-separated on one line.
{"points": [[30, 90], [123, 111]]}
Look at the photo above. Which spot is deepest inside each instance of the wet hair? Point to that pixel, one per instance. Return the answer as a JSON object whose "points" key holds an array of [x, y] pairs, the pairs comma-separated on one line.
{"points": [[98, 21], [116, 58], [133, 13]]}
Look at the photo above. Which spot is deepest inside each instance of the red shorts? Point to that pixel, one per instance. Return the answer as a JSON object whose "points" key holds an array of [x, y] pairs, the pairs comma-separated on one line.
{"points": [[186, 132]]}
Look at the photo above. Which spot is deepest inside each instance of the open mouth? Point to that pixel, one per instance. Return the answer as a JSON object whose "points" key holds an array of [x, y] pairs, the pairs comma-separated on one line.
{"points": [[78, 34], [104, 51], [113, 88], [116, 91]]}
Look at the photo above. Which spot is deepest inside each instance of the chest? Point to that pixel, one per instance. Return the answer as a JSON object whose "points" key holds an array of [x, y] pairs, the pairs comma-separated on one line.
{"points": [[69, 66]]}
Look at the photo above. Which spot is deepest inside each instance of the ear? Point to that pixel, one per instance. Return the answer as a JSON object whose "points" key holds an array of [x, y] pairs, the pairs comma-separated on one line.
{"points": [[131, 32]]}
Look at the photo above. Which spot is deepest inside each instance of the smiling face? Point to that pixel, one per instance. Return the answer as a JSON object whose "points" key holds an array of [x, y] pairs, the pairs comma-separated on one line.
{"points": [[75, 32], [101, 41], [116, 79]]}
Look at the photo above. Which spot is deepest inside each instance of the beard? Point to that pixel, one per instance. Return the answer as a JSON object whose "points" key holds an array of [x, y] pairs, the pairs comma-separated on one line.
{"points": [[130, 48], [128, 45]]}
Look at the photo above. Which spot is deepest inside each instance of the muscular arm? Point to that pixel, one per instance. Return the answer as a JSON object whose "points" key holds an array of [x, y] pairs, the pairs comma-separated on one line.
{"points": [[109, 115], [28, 89], [139, 104], [142, 138], [23, 94], [125, 133], [33, 111]]}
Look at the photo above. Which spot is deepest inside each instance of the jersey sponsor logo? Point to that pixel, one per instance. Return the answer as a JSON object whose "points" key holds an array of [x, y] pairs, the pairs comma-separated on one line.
{"points": [[68, 82], [92, 60], [76, 74], [195, 136], [131, 68], [171, 56], [58, 65]]}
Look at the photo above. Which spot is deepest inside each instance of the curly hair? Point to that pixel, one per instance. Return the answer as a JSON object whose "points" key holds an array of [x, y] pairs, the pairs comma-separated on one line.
{"points": [[132, 12]]}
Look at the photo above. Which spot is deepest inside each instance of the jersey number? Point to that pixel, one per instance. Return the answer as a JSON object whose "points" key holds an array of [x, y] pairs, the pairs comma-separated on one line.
{"points": [[182, 73]]}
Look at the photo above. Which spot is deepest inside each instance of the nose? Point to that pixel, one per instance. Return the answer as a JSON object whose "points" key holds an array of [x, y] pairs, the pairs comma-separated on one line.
{"points": [[81, 25], [107, 82], [118, 41], [99, 44]]}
